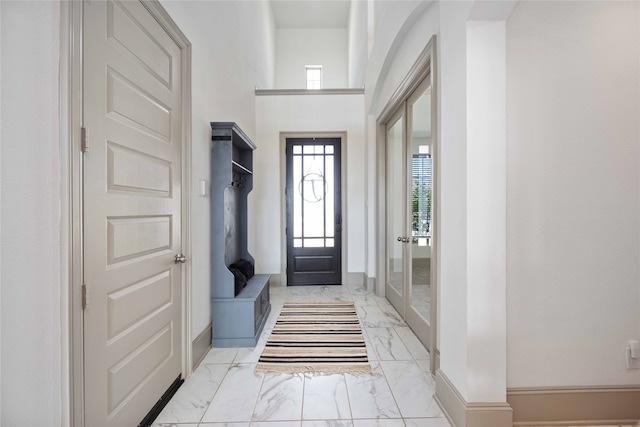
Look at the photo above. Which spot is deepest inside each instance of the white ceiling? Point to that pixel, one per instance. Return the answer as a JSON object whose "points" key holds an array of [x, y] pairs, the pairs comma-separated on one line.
{"points": [[311, 13]]}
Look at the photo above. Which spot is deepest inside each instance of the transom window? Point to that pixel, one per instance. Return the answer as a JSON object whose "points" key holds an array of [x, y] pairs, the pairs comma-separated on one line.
{"points": [[314, 76]]}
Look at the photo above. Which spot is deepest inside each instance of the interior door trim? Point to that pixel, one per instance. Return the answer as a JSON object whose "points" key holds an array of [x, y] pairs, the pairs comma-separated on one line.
{"points": [[71, 248], [419, 70], [283, 199], [72, 394], [425, 66]]}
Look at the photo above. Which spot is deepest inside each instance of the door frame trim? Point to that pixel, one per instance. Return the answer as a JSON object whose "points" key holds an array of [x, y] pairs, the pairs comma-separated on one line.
{"points": [[425, 66], [343, 197], [71, 250], [289, 243], [71, 119]]}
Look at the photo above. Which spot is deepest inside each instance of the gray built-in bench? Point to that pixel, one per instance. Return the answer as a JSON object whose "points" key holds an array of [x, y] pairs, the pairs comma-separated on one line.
{"points": [[237, 320]]}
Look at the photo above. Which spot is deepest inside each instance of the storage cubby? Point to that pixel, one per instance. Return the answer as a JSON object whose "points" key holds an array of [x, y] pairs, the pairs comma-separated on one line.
{"points": [[237, 319]]}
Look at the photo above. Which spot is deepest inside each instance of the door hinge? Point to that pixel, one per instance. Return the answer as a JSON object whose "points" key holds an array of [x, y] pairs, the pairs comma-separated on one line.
{"points": [[85, 297], [84, 136]]}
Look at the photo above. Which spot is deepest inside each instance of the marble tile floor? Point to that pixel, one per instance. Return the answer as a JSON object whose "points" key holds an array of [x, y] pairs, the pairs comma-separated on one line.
{"points": [[225, 390]]}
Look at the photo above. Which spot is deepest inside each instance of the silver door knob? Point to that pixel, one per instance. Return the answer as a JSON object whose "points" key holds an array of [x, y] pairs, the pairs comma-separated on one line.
{"points": [[399, 239], [180, 259]]}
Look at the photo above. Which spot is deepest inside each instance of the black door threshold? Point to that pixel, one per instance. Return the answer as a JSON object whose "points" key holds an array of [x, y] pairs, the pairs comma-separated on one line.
{"points": [[159, 406]]}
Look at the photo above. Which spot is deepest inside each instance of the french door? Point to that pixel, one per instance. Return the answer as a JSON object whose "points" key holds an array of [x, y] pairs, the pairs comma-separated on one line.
{"points": [[409, 211], [314, 218]]}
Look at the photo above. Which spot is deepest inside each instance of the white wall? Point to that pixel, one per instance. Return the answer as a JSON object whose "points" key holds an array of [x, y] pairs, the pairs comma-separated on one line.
{"points": [[358, 43], [573, 118], [573, 192], [486, 215], [233, 46], [453, 173], [30, 216], [296, 48], [402, 32], [304, 113]]}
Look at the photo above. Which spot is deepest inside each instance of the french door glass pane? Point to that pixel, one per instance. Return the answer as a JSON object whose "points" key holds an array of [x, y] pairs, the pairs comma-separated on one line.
{"points": [[421, 204], [395, 204]]}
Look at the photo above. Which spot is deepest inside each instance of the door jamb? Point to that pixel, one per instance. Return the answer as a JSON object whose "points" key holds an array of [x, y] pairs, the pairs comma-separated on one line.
{"points": [[71, 121], [343, 192], [71, 211]]}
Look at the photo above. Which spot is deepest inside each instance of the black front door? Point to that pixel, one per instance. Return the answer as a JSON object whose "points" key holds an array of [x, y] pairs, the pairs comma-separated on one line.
{"points": [[314, 217]]}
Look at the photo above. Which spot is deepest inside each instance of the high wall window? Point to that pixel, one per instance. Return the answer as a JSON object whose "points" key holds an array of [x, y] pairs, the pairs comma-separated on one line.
{"points": [[314, 76]]}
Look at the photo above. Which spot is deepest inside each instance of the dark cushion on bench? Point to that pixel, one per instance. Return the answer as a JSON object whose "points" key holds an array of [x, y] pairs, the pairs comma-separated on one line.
{"points": [[239, 279], [245, 267]]}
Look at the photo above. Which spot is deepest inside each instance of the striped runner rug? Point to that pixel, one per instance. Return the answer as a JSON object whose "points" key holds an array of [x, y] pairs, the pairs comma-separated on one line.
{"points": [[322, 337]]}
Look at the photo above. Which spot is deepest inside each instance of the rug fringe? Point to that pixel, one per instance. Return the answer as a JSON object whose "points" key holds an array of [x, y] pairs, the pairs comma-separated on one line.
{"points": [[320, 371]]}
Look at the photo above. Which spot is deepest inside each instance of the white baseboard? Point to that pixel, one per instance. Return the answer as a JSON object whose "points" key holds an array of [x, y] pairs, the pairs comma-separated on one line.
{"points": [[355, 279], [371, 283], [469, 414], [575, 406], [201, 346], [276, 280], [436, 360]]}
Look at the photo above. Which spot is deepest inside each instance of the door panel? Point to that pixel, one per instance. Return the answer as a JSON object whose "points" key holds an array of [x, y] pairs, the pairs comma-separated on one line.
{"points": [[419, 142], [132, 212], [314, 220], [396, 213]]}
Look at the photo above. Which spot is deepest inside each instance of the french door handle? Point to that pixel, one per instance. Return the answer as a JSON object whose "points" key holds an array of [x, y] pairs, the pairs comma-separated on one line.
{"points": [[403, 239]]}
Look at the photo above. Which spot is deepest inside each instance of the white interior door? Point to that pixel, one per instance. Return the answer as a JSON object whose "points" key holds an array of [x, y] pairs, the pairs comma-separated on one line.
{"points": [[132, 212]]}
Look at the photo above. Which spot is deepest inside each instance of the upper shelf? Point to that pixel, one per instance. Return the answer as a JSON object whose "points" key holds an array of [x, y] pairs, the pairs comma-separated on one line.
{"points": [[223, 131]]}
